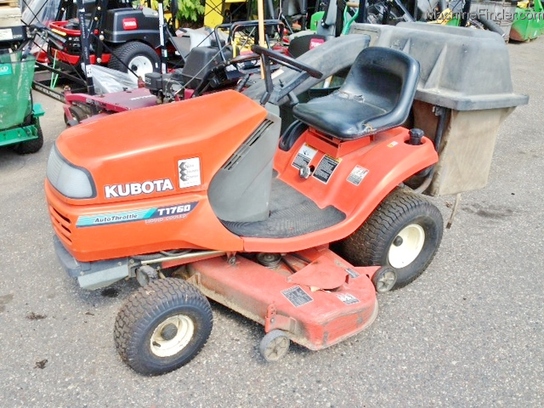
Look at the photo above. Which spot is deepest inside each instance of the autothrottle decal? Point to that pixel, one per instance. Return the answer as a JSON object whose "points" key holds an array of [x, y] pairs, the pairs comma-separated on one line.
{"points": [[157, 214]]}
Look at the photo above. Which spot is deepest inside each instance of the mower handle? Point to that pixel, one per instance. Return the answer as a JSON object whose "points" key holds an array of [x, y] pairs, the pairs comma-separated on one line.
{"points": [[287, 61]]}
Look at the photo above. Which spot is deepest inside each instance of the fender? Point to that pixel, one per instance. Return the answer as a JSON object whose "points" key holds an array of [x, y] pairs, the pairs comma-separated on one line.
{"points": [[146, 31], [356, 201]]}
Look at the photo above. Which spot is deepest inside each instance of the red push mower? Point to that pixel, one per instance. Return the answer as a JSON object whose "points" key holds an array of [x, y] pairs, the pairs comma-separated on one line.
{"points": [[223, 62], [76, 34], [228, 209], [112, 33]]}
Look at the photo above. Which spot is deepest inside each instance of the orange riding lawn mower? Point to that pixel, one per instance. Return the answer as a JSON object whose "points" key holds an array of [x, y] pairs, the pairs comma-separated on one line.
{"points": [[298, 231]]}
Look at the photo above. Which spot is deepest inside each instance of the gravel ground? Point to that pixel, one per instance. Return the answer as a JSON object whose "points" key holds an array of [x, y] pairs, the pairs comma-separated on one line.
{"points": [[468, 333]]}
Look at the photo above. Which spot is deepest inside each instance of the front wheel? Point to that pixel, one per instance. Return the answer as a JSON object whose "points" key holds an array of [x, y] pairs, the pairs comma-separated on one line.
{"points": [[78, 114], [404, 232], [162, 326], [274, 345]]}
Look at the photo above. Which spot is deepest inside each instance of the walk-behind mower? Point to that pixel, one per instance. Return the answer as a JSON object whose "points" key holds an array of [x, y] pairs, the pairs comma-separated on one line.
{"points": [[222, 63], [209, 201], [119, 35]]}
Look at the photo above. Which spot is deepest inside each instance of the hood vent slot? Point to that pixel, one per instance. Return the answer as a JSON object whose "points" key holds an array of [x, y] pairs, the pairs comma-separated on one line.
{"points": [[246, 146]]}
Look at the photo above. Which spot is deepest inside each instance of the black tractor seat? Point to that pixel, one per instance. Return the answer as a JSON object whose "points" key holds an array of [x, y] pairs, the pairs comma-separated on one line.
{"points": [[377, 95]]}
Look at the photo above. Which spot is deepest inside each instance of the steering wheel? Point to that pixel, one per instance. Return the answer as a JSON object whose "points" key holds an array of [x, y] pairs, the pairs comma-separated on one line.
{"points": [[282, 90], [287, 61]]}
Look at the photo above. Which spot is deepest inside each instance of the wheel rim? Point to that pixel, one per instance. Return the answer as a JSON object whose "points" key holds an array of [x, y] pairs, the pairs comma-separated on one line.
{"points": [[277, 348], [141, 65], [406, 246], [172, 335], [386, 281]]}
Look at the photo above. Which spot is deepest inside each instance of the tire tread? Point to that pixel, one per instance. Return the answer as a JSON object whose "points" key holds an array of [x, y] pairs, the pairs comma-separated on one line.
{"points": [[30, 146], [367, 245], [123, 53], [142, 307]]}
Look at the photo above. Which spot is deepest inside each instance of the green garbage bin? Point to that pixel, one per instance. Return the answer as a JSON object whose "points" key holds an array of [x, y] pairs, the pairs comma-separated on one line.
{"points": [[19, 117]]}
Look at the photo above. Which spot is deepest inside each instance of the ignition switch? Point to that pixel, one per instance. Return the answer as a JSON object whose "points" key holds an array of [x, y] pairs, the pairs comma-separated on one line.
{"points": [[305, 171]]}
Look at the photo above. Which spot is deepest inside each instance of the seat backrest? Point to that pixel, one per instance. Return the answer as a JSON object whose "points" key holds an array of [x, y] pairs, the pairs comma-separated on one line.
{"points": [[387, 79], [377, 95], [298, 45]]}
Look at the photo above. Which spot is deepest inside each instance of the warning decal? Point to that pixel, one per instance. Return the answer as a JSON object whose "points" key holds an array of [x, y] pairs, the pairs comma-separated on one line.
{"points": [[357, 175], [297, 296], [304, 156], [325, 168], [6, 34], [347, 298]]}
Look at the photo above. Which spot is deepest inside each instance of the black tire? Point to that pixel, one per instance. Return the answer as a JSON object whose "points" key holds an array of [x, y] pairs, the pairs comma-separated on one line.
{"points": [[30, 146], [129, 54], [176, 308], [78, 113], [377, 241]]}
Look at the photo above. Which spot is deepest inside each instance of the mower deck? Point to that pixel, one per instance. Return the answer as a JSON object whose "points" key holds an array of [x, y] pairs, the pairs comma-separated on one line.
{"points": [[107, 103], [314, 296]]}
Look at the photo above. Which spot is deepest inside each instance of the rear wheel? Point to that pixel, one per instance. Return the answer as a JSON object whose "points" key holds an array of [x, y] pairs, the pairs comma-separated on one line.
{"points": [[404, 232], [137, 57], [162, 326]]}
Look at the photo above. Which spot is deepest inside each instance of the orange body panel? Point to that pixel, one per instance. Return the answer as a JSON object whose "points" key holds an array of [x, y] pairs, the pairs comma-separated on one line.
{"points": [[146, 144], [139, 147], [133, 156], [197, 229]]}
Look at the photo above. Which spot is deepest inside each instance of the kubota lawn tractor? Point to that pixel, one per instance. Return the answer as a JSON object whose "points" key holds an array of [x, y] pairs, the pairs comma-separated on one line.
{"points": [[205, 199]]}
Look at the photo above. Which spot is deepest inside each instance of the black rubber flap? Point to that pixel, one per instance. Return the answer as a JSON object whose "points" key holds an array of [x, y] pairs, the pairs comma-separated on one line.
{"points": [[291, 214]]}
